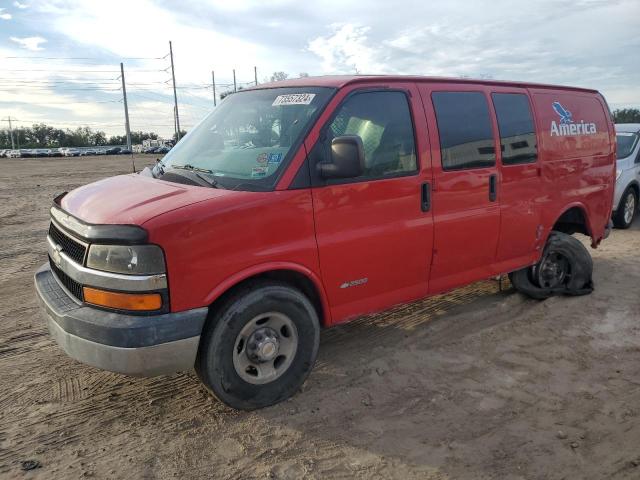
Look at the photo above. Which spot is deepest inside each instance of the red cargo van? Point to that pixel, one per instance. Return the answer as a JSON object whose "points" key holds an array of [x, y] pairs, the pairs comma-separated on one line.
{"points": [[303, 204]]}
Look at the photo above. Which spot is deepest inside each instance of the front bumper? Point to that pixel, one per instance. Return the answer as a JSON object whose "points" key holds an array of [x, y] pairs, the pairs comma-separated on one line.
{"points": [[129, 344]]}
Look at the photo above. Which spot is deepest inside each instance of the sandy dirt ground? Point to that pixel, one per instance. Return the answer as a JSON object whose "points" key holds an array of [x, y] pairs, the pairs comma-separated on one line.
{"points": [[477, 384]]}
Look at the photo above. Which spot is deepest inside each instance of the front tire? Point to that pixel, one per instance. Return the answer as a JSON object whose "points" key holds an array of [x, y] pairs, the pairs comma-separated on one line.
{"points": [[623, 218], [259, 346], [565, 268]]}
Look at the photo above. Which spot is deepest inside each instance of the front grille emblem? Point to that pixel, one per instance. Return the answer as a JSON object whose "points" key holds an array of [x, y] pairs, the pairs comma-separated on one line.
{"points": [[55, 255]]}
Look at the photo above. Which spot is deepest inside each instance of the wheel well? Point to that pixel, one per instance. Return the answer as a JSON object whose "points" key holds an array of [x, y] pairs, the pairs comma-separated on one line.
{"points": [[572, 221], [293, 278], [636, 188]]}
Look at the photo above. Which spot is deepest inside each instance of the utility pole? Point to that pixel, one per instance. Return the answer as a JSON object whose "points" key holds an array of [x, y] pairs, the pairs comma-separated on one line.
{"points": [[175, 125], [13, 146], [213, 84], [234, 81], [175, 95], [126, 107], [255, 75]]}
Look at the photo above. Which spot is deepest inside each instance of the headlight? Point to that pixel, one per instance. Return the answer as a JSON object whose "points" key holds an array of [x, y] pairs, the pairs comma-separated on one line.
{"points": [[132, 260], [618, 173]]}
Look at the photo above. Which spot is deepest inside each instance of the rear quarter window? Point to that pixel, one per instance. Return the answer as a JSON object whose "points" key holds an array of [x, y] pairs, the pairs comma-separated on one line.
{"points": [[571, 125]]}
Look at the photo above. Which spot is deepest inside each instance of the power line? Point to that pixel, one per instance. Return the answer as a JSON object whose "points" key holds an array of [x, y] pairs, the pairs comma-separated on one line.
{"points": [[76, 71], [58, 87], [71, 102], [81, 58]]}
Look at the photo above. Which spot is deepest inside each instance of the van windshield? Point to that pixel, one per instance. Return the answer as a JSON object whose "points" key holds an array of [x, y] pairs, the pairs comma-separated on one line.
{"points": [[626, 142], [247, 141]]}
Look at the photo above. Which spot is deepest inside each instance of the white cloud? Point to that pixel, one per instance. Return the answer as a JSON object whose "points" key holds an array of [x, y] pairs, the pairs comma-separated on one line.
{"points": [[29, 43], [20, 5], [345, 50], [4, 16]]}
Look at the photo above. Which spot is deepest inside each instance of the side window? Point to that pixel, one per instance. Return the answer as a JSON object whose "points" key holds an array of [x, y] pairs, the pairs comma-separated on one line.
{"points": [[383, 121], [517, 133], [464, 126]]}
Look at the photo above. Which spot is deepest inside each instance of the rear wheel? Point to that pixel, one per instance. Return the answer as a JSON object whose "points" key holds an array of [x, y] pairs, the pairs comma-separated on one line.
{"points": [[259, 346], [623, 218], [565, 268]]}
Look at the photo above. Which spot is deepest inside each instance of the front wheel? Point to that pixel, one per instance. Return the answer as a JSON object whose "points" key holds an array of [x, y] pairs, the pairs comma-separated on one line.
{"points": [[623, 218], [565, 268], [258, 348]]}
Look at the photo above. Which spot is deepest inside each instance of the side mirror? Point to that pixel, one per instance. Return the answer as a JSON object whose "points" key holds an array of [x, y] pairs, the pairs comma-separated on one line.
{"points": [[347, 158]]}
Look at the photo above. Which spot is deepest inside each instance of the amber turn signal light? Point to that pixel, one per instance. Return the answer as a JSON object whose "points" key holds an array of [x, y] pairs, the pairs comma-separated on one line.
{"points": [[122, 301]]}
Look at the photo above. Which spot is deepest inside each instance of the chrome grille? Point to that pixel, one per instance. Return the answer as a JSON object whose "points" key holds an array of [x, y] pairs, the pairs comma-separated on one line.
{"points": [[71, 247], [69, 283]]}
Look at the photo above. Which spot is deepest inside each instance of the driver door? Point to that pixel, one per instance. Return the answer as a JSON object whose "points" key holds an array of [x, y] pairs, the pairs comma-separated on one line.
{"points": [[374, 236]]}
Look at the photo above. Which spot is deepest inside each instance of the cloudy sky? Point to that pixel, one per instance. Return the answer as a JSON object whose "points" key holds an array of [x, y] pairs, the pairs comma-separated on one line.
{"points": [[59, 59]]}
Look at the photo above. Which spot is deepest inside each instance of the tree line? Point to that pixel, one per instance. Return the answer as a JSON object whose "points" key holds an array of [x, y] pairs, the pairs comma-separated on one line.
{"points": [[45, 136], [627, 115]]}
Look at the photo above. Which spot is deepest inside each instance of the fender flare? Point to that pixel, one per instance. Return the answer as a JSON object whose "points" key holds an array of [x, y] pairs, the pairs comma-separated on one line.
{"points": [[585, 212], [256, 270]]}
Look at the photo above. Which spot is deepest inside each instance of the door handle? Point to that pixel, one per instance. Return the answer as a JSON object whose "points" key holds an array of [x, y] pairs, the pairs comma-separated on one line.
{"points": [[493, 187], [425, 197]]}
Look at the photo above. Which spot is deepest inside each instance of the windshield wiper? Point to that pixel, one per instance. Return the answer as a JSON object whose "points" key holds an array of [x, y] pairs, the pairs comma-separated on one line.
{"points": [[209, 181]]}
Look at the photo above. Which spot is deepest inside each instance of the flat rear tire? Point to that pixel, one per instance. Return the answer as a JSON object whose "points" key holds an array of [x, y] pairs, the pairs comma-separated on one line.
{"points": [[565, 268]]}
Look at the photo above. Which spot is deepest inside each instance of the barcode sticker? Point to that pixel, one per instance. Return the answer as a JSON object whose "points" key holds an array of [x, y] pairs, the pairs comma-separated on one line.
{"points": [[293, 99]]}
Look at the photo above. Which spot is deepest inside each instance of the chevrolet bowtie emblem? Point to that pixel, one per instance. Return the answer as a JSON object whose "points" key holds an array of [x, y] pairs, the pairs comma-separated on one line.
{"points": [[55, 255]]}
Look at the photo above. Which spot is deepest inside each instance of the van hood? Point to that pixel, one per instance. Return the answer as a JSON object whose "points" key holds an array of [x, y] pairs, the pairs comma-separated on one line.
{"points": [[133, 199]]}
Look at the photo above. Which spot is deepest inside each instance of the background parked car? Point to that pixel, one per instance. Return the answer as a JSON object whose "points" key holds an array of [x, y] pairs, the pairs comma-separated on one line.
{"points": [[40, 152], [625, 202], [113, 151], [125, 151], [72, 152]]}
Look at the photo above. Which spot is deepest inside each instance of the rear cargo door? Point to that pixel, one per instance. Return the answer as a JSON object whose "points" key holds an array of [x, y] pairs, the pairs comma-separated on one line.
{"points": [[466, 204]]}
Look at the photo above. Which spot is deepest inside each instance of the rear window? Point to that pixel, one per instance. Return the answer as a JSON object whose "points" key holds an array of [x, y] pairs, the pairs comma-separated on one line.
{"points": [[626, 142], [515, 123], [464, 126]]}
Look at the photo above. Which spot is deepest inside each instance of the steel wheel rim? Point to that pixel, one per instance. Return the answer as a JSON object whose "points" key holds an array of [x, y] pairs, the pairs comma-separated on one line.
{"points": [[265, 348], [553, 271], [629, 208]]}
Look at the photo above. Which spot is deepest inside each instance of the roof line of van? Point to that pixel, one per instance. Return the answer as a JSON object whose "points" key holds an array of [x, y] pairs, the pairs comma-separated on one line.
{"points": [[338, 81]]}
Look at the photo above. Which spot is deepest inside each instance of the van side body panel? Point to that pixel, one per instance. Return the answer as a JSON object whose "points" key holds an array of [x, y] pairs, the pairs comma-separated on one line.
{"points": [[577, 157]]}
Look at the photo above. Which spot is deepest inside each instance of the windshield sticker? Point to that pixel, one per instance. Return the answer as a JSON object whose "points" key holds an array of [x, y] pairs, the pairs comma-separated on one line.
{"points": [[275, 158], [257, 172], [262, 158], [293, 99]]}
